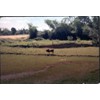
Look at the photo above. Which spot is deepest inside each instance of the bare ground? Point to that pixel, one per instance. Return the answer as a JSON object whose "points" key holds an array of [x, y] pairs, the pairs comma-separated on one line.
{"points": [[14, 37]]}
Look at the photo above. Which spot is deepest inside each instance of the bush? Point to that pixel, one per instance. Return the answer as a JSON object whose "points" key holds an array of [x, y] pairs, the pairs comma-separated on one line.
{"points": [[78, 39]]}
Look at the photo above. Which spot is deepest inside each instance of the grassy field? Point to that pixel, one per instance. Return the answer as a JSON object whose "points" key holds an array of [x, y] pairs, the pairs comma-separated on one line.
{"points": [[75, 64]]}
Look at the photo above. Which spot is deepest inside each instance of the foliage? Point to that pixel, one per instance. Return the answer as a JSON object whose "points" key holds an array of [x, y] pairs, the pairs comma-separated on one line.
{"points": [[83, 27], [95, 29], [46, 34], [53, 24], [23, 31], [13, 30], [63, 69], [33, 31], [5, 31]]}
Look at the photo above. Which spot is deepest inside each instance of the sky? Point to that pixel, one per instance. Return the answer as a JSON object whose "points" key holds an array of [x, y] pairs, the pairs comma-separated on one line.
{"points": [[21, 22]]}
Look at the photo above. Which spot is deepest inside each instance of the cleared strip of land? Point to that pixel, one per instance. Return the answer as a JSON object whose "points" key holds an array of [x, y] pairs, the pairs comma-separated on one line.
{"points": [[14, 37]]}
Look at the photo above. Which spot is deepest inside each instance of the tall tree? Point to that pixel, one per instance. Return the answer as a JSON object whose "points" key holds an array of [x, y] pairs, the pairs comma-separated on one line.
{"points": [[50, 24], [60, 30], [80, 26], [68, 19], [95, 29], [32, 30], [13, 30], [53, 24]]}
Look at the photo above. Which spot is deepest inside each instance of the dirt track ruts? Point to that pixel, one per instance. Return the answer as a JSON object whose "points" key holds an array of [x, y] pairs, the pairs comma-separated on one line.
{"points": [[23, 74]]}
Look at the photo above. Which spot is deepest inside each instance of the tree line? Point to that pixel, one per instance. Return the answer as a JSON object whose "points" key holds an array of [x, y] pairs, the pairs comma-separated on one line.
{"points": [[69, 28], [13, 31], [83, 27]]}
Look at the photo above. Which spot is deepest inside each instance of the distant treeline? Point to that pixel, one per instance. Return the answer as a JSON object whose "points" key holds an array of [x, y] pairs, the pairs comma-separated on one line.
{"points": [[13, 31], [70, 28]]}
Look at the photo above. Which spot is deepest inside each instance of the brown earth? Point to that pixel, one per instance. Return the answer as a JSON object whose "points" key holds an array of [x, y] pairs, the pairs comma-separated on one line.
{"points": [[14, 37]]}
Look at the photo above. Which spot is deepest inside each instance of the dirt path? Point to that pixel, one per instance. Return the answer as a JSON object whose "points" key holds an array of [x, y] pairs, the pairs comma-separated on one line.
{"points": [[24, 74]]}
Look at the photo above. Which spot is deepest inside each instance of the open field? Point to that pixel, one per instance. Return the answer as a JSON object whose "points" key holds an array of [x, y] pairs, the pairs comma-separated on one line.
{"points": [[15, 37], [41, 69], [32, 64]]}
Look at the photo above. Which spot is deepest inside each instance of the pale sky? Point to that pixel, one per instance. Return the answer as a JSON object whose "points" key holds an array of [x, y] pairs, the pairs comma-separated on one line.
{"points": [[21, 22]]}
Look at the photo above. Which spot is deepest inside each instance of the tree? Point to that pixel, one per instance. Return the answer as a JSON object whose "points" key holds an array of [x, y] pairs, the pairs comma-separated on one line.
{"points": [[67, 20], [5, 31], [13, 30], [80, 26], [46, 34], [83, 27], [33, 31], [53, 24], [50, 24], [23, 31], [62, 31], [95, 29]]}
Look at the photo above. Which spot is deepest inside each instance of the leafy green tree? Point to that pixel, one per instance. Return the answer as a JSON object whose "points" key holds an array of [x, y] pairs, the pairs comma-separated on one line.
{"points": [[33, 31], [50, 23], [95, 29], [80, 26], [62, 31], [13, 30], [46, 34], [67, 20], [83, 27]]}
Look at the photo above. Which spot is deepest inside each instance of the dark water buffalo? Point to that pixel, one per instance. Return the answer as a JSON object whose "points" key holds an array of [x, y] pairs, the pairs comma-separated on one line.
{"points": [[50, 50]]}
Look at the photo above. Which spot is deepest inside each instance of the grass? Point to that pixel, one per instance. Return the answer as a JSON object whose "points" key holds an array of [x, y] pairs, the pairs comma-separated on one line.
{"points": [[69, 71], [68, 65], [92, 51], [37, 43], [22, 63]]}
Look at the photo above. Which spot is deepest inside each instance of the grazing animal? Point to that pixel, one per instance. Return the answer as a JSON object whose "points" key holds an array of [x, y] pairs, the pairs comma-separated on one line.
{"points": [[50, 50]]}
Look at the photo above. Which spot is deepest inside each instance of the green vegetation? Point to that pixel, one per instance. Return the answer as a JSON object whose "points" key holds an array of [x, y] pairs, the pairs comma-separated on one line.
{"points": [[37, 43], [61, 70], [74, 40], [32, 31], [20, 63], [67, 65], [69, 28]]}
